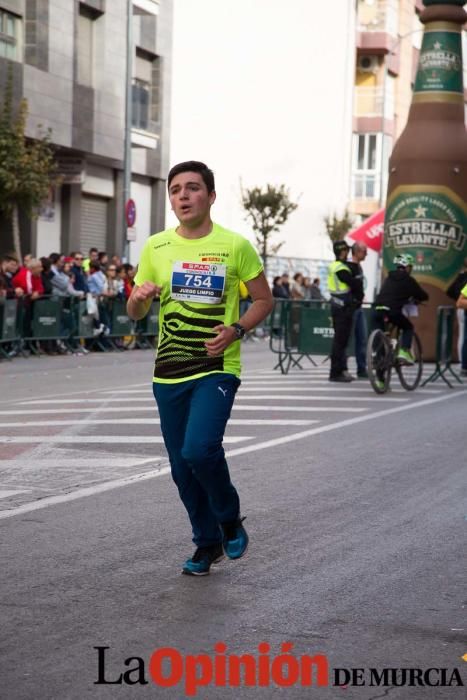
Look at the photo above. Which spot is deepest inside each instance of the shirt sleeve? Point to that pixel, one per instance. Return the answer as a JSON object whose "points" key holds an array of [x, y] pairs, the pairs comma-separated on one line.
{"points": [[346, 277], [249, 264], [418, 292], [146, 271]]}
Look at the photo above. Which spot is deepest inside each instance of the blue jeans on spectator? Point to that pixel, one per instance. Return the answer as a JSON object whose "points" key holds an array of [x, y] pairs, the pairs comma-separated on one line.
{"points": [[193, 417], [360, 337]]}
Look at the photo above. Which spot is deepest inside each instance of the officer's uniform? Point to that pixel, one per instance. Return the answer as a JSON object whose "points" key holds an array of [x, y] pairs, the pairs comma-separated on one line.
{"points": [[340, 284]]}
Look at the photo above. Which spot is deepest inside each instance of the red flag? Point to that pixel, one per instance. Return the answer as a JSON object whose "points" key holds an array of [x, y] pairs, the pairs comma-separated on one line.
{"points": [[370, 232]]}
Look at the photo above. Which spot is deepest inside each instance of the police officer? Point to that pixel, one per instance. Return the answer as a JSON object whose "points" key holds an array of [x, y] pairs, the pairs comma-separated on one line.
{"points": [[359, 253], [342, 286]]}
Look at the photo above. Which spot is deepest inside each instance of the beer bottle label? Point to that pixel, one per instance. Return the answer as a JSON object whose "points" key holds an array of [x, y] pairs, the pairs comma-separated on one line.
{"points": [[439, 74], [429, 222]]}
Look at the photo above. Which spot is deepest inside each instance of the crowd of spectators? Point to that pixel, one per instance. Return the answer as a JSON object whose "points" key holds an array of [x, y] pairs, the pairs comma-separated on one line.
{"points": [[97, 278], [66, 276], [299, 287]]}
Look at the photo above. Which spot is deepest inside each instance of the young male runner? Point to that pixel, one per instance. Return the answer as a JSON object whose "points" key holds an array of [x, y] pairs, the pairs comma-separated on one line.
{"points": [[196, 268]]}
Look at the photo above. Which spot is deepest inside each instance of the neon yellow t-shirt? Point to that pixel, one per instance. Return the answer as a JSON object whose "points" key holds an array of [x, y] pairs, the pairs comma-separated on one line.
{"points": [[464, 291], [200, 290]]}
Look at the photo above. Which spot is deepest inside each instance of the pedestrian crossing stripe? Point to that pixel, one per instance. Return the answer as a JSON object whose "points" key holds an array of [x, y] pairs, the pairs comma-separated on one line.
{"points": [[101, 439]]}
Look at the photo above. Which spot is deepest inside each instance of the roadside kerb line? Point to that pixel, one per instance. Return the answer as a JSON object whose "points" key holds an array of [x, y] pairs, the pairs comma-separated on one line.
{"points": [[90, 491]]}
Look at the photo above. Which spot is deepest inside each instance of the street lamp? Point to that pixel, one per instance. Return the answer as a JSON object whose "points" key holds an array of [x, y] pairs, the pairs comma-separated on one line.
{"points": [[128, 124]]}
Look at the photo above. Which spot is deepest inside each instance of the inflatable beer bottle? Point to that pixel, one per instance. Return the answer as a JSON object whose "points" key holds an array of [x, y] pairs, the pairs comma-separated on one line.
{"points": [[426, 211]]}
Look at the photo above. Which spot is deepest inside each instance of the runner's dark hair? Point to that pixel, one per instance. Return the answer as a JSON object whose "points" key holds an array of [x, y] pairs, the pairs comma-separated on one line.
{"points": [[193, 166]]}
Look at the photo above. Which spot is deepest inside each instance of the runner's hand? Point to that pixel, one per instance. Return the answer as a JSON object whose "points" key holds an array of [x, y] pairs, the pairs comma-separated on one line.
{"points": [[225, 336], [148, 290]]}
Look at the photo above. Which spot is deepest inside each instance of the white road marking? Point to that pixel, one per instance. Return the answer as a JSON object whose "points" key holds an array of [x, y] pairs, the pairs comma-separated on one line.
{"points": [[90, 491], [7, 494], [80, 493], [152, 409], [147, 421], [374, 397], [257, 387], [328, 387], [100, 439], [81, 463], [311, 397]]}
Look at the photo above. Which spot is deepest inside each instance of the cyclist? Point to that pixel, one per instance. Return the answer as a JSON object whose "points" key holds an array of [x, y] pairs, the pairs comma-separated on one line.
{"points": [[398, 289]]}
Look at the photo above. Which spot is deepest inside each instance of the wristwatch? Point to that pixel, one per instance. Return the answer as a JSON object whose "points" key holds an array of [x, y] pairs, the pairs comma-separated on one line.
{"points": [[239, 330]]}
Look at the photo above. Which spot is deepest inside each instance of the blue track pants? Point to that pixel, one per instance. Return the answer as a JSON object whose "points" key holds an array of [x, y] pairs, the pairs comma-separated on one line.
{"points": [[193, 417]]}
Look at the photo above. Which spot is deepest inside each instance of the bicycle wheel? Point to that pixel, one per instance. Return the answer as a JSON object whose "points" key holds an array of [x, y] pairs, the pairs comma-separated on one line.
{"points": [[379, 361], [410, 375]]}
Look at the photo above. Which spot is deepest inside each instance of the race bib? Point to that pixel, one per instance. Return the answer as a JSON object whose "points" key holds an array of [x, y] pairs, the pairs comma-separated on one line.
{"points": [[199, 282]]}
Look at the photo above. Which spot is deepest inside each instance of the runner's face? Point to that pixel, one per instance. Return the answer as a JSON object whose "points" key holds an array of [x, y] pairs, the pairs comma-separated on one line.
{"points": [[189, 198]]}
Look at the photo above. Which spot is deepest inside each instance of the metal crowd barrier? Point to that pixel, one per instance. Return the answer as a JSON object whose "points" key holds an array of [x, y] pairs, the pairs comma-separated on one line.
{"points": [[302, 329], [9, 331], [444, 345], [33, 325]]}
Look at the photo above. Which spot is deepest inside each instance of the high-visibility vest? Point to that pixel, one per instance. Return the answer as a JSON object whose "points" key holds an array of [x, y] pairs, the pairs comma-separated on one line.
{"points": [[464, 291], [335, 286]]}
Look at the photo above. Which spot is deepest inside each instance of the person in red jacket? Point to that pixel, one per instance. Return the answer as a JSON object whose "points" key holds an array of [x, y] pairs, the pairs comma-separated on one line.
{"points": [[29, 279]]}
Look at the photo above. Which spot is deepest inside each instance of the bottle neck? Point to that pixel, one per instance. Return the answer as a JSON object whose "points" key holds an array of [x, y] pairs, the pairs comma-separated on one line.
{"points": [[439, 74]]}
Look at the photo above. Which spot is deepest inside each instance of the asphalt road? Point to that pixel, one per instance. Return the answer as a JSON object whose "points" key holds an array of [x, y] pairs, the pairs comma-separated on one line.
{"points": [[355, 506]]}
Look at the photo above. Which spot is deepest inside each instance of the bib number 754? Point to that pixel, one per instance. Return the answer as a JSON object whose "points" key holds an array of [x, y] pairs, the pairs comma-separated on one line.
{"points": [[197, 281]]}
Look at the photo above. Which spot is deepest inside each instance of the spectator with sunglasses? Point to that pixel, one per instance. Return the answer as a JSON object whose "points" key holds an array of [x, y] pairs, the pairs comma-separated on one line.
{"points": [[80, 279]]}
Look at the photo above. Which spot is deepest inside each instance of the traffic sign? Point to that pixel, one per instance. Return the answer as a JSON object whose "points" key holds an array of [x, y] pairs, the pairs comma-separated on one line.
{"points": [[130, 213]]}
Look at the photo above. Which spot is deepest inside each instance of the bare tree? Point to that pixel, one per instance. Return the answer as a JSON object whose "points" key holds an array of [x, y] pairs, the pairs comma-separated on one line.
{"points": [[268, 209]]}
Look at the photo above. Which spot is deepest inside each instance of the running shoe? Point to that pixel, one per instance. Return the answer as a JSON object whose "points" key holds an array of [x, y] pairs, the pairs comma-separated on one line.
{"points": [[405, 357], [201, 561], [235, 538]]}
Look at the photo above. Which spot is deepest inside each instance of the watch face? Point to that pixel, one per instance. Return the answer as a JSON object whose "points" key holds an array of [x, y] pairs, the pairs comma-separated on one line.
{"points": [[239, 330]]}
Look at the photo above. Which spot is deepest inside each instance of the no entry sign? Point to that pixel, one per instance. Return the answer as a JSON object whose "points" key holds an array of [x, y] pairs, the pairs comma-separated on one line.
{"points": [[130, 213]]}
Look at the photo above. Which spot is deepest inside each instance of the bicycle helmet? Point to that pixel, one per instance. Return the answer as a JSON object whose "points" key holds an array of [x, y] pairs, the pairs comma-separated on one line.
{"points": [[403, 260]]}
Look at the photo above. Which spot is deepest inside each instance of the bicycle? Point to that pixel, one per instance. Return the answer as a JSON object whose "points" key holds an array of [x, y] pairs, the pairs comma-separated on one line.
{"points": [[382, 351]]}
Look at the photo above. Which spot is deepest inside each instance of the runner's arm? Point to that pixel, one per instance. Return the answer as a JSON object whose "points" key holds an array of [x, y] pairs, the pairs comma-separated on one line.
{"points": [[262, 305], [140, 300]]}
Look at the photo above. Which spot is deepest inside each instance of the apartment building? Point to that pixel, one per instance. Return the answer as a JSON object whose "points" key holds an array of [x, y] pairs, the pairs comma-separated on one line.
{"points": [[389, 36], [68, 59]]}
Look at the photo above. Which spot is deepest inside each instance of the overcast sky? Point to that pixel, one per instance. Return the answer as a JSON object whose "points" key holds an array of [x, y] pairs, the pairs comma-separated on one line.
{"points": [[255, 85]]}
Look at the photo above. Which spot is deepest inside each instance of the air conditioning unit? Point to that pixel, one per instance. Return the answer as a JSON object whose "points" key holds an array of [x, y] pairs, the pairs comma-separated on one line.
{"points": [[368, 64]]}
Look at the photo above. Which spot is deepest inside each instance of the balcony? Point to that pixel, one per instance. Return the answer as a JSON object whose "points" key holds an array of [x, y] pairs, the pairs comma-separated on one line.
{"points": [[377, 25], [366, 186], [146, 7], [368, 102], [375, 101], [378, 16]]}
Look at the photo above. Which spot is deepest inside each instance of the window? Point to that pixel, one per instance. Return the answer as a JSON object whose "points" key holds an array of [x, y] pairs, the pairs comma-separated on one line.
{"points": [[370, 159], [146, 92], [85, 48], [365, 166], [9, 35]]}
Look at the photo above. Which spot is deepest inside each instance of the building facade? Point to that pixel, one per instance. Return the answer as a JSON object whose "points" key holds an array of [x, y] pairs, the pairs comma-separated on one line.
{"points": [[389, 37], [68, 58]]}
